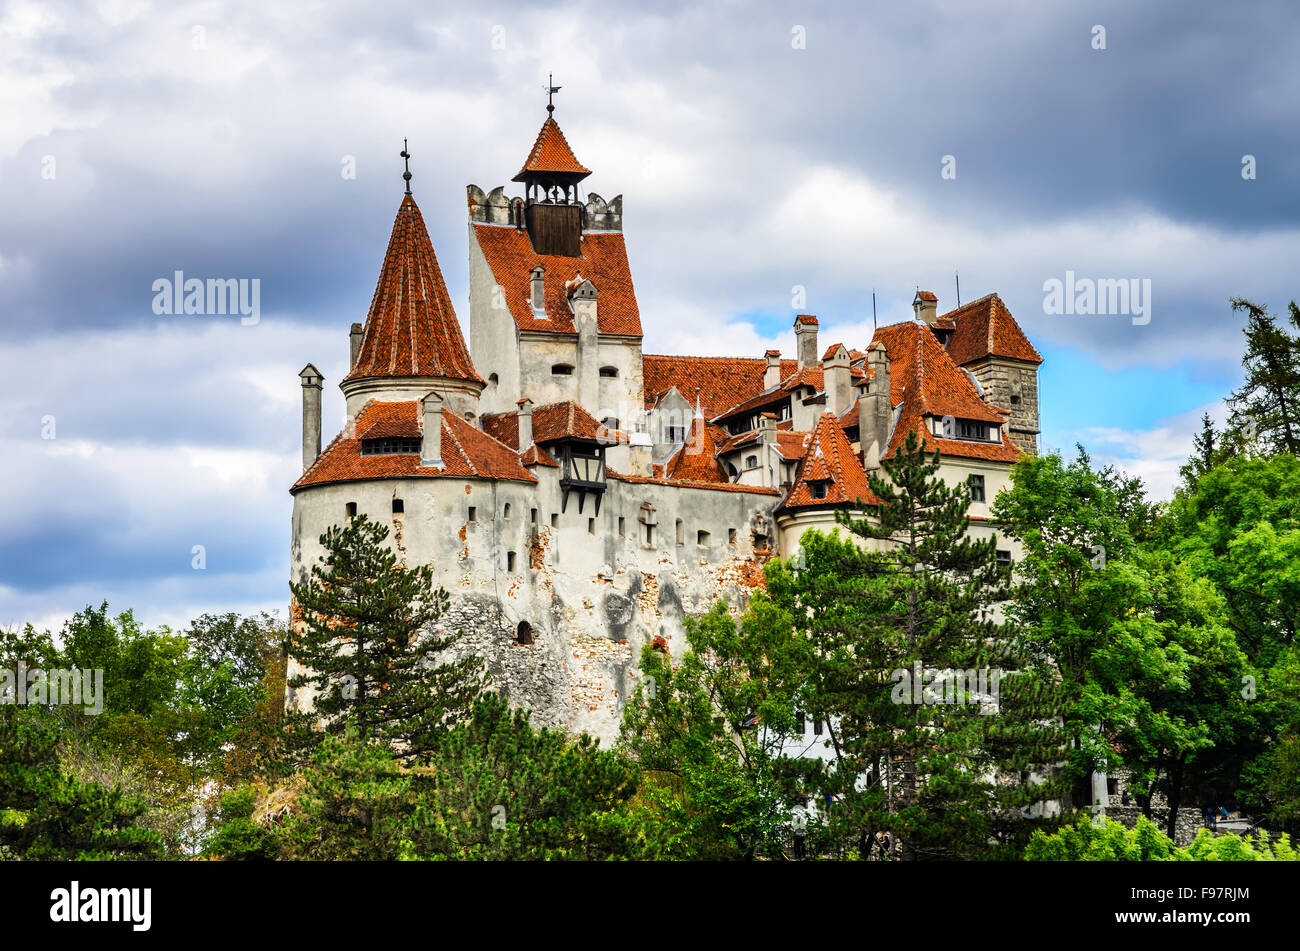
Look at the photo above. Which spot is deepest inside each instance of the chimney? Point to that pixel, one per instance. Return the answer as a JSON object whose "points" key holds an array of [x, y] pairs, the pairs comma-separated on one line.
{"points": [[354, 345], [926, 307], [311, 386], [431, 438], [582, 300], [875, 407], [837, 382], [772, 373], [767, 438], [525, 419], [805, 335]]}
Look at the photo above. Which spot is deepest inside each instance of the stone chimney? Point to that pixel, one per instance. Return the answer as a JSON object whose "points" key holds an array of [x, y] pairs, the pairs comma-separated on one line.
{"points": [[926, 307], [772, 372], [431, 438], [805, 335], [582, 299], [837, 382], [311, 393], [767, 438], [525, 418], [354, 344], [875, 407]]}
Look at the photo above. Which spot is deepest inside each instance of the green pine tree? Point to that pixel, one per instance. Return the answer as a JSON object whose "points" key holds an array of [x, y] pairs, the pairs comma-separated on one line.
{"points": [[1265, 410], [371, 644]]}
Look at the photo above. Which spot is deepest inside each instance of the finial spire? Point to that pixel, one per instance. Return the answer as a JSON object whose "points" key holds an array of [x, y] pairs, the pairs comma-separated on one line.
{"points": [[551, 90], [406, 155]]}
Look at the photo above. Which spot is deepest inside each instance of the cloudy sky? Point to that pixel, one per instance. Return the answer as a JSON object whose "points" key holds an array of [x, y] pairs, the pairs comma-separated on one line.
{"points": [[758, 147]]}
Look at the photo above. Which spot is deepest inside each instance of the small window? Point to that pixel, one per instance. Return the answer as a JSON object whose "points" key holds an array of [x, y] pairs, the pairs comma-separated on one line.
{"points": [[562, 369], [398, 507], [1004, 558], [681, 539], [621, 527], [493, 380], [505, 511], [532, 516], [800, 727], [1015, 401], [731, 536], [473, 514], [817, 727], [610, 422], [702, 538], [675, 433], [609, 372], [817, 490], [555, 520], [649, 535], [510, 561], [591, 526], [352, 509], [524, 633], [751, 462], [976, 488]]}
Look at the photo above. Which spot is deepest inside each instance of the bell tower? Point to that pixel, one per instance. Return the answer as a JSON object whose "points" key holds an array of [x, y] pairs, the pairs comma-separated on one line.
{"points": [[552, 211]]}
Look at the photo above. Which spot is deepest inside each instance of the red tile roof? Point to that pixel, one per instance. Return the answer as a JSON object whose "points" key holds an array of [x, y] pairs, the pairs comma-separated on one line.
{"points": [[926, 295], [466, 452], [985, 328], [926, 381], [806, 319], [411, 329], [510, 254], [551, 153], [696, 460], [535, 455], [813, 376], [551, 422], [721, 381], [829, 457], [715, 486]]}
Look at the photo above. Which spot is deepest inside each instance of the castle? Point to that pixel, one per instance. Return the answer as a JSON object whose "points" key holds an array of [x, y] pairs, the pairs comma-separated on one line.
{"points": [[578, 497]]}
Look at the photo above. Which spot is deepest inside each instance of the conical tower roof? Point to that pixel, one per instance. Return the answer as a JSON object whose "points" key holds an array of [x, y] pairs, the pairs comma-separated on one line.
{"points": [[412, 330], [551, 157]]}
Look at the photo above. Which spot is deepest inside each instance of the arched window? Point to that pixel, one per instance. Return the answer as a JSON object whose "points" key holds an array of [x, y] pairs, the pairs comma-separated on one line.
{"points": [[751, 462], [562, 369], [493, 380], [609, 371]]}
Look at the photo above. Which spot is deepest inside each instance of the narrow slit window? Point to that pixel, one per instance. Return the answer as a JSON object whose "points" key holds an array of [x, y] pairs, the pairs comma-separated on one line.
{"points": [[473, 514]]}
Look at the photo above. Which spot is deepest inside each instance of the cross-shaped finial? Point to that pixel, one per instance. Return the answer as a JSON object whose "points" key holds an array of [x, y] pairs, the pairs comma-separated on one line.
{"points": [[551, 90], [406, 155]]}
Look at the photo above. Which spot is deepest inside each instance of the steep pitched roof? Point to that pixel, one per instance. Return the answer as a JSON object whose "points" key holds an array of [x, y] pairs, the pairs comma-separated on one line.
{"points": [[466, 452], [603, 261], [986, 328], [411, 329], [925, 380], [813, 376], [721, 381], [696, 460], [551, 154], [829, 457]]}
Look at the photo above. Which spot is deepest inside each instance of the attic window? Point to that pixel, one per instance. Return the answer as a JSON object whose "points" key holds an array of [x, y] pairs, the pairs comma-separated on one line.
{"points": [[562, 369], [388, 445], [817, 489], [609, 371]]}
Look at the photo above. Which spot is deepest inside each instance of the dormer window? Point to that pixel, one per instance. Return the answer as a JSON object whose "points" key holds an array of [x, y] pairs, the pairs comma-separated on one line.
{"points": [[817, 490], [389, 445], [537, 289]]}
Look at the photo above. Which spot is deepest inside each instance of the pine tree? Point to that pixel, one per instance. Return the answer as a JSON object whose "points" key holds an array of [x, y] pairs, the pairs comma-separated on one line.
{"points": [[1265, 409], [1207, 452], [924, 773], [370, 642]]}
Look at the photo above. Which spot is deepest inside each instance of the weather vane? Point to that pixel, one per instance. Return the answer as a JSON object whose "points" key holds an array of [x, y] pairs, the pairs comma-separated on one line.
{"points": [[551, 90], [406, 155]]}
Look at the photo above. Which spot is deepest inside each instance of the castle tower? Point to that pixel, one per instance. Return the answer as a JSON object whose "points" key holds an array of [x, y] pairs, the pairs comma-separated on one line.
{"points": [[411, 342], [553, 313]]}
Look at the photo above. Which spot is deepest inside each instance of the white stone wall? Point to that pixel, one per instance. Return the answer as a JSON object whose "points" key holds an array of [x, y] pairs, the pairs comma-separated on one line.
{"points": [[591, 587]]}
